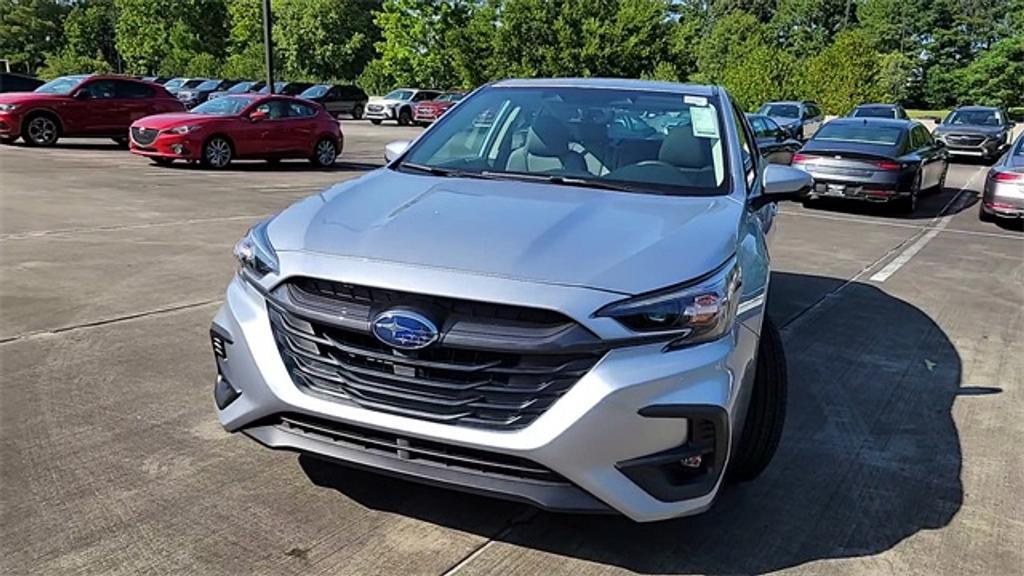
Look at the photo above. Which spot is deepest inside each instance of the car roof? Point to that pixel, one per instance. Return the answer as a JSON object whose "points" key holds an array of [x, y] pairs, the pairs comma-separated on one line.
{"points": [[876, 105], [976, 107], [895, 122], [609, 84]]}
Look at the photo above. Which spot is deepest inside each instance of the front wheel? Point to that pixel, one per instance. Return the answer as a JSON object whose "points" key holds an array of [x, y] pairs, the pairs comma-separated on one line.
{"points": [[40, 130], [217, 153], [357, 112], [324, 153], [404, 117], [375, 122], [766, 413]]}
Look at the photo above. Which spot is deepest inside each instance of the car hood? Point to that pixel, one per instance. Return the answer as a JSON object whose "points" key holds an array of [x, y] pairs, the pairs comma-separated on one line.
{"points": [[386, 101], [969, 129], [23, 97], [170, 120], [621, 242]]}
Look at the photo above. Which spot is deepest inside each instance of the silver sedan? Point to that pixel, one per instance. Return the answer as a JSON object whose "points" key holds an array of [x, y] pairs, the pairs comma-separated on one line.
{"points": [[1003, 196]]}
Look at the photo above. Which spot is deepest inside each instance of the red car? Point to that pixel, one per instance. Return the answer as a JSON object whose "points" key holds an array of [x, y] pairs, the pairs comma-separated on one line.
{"points": [[426, 112], [81, 106], [240, 126]]}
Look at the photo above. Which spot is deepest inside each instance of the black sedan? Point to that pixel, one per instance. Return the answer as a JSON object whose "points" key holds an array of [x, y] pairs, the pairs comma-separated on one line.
{"points": [[774, 143], [287, 88], [874, 160]]}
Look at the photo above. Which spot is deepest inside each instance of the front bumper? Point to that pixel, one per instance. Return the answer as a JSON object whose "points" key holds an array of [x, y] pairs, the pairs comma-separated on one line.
{"points": [[167, 145], [385, 114], [601, 442], [10, 124], [988, 148]]}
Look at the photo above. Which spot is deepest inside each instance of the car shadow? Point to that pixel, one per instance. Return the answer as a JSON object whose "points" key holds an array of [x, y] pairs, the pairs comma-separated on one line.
{"points": [[276, 167], [98, 144], [870, 455]]}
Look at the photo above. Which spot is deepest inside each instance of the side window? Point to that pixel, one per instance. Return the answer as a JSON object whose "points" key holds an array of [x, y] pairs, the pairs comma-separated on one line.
{"points": [[126, 89], [300, 110], [100, 89], [923, 137], [773, 129], [421, 96], [336, 93], [748, 150], [274, 109], [760, 128]]}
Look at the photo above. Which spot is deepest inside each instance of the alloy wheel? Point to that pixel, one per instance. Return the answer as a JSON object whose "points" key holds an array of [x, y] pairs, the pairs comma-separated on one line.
{"points": [[325, 153], [217, 153], [42, 131]]}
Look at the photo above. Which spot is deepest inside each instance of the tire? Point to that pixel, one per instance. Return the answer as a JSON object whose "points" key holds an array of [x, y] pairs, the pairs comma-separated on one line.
{"points": [[324, 153], [404, 117], [217, 153], [159, 161], [985, 216], [766, 413], [907, 206], [375, 122], [121, 141], [423, 124], [40, 130], [357, 112]]}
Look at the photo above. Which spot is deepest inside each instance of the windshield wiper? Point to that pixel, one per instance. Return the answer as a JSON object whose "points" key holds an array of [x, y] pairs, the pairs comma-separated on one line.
{"points": [[444, 172], [572, 181]]}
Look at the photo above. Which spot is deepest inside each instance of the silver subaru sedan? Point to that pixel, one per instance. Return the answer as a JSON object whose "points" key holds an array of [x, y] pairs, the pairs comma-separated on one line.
{"points": [[535, 300]]}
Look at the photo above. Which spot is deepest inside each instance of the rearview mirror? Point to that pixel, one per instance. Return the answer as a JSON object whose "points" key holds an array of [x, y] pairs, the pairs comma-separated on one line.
{"points": [[395, 149], [782, 183], [257, 116]]}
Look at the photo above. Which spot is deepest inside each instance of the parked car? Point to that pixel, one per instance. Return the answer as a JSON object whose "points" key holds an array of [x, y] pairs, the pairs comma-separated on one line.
{"points": [[175, 84], [427, 112], [239, 88], [976, 131], [874, 160], [773, 142], [81, 106], [894, 111], [10, 82], [156, 79], [1003, 197], [338, 99], [287, 88], [397, 105], [194, 96], [240, 126], [800, 118], [499, 319]]}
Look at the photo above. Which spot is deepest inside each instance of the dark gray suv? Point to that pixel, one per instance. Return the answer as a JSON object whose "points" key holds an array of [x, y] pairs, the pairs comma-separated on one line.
{"points": [[976, 131]]}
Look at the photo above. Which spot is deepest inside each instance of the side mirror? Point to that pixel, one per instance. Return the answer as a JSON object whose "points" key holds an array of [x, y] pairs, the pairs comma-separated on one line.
{"points": [[395, 149], [82, 95], [257, 116], [782, 183]]}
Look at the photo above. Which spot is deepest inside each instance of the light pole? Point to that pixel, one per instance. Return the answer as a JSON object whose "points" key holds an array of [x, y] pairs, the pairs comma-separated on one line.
{"points": [[268, 45]]}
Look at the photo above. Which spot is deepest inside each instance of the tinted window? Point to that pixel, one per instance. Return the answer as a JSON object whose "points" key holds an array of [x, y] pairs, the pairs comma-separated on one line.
{"points": [[875, 112], [62, 85], [314, 91], [100, 89], [240, 88], [133, 90], [860, 133], [760, 128], [174, 83], [780, 110], [814, 111], [537, 132], [209, 85], [746, 147], [193, 83]]}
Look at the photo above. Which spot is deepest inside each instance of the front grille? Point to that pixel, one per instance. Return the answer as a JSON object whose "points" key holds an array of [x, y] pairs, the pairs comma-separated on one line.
{"points": [[374, 107], [421, 451], [495, 366], [144, 136], [960, 140]]}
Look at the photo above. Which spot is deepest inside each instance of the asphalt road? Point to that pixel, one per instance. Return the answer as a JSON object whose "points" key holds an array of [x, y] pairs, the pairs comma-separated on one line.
{"points": [[903, 452]]}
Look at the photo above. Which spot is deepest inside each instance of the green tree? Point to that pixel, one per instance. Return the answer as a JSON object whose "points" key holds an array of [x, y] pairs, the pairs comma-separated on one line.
{"points": [[996, 77], [89, 31], [29, 30], [844, 74], [179, 31], [807, 26], [417, 40], [325, 39]]}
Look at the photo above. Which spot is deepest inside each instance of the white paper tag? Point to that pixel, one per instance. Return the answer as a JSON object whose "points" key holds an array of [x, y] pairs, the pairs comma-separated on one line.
{"points": [[704, 122], [695, 100]]}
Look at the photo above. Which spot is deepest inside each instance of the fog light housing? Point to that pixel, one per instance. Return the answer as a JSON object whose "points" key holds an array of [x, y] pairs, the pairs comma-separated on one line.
{"points": [[224, 393], [177, 149]]}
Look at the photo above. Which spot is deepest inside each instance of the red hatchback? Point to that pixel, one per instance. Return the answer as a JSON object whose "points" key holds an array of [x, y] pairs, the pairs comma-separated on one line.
{"points": [[81, 106], [240, 126], [426, 112]]}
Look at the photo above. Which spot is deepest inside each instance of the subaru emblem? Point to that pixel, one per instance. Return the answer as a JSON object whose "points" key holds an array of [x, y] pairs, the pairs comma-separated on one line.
{"points": [[404, 330]]}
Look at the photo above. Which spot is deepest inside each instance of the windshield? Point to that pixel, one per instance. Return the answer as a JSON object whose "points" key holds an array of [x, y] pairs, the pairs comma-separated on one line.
{"points": [[62, 85], [193, 83], [278, 86], [780, 110], [449, 98], [876, 112], [975, 118], [636, 141], [209, 85], [240, 88], [398, 95], [860, 133], [315, 91], [174, 83], [226, 106]]}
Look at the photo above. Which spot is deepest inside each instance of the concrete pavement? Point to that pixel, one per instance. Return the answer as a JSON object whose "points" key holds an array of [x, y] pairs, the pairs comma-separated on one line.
{"points": [[902, 454]]}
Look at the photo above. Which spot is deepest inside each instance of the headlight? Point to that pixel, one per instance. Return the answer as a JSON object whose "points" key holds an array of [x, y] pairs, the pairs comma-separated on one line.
{"points": [[184, 129], [7, 107], [255, 253], [698, 312]]}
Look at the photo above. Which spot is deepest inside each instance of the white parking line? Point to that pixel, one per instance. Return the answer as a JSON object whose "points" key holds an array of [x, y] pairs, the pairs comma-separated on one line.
{"points": [[903, 257]]}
